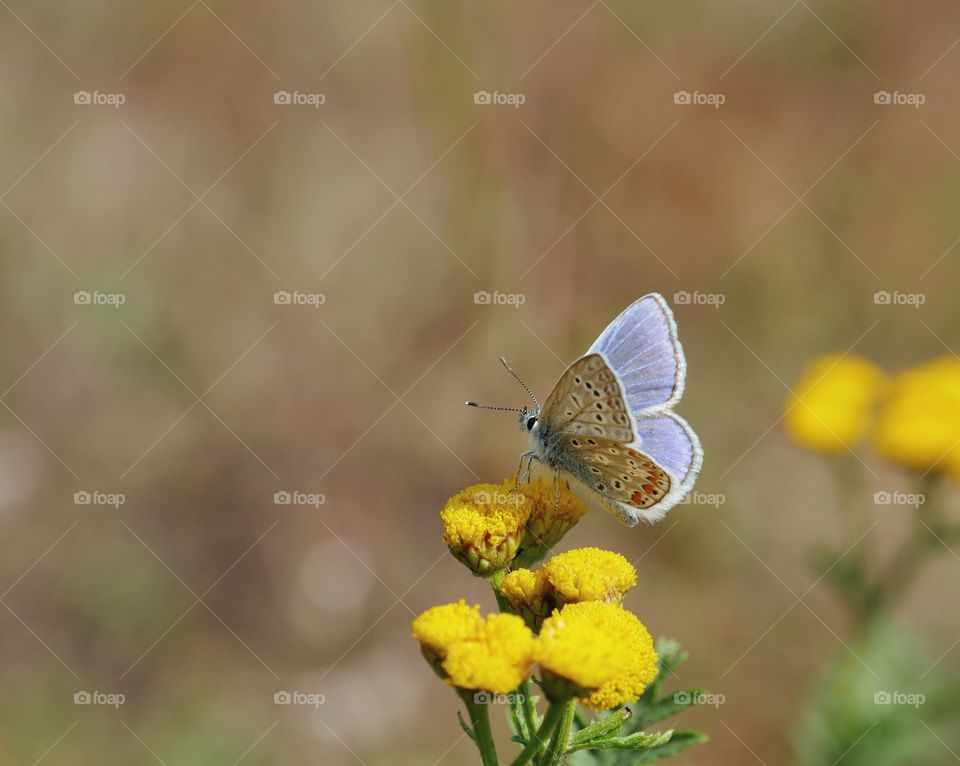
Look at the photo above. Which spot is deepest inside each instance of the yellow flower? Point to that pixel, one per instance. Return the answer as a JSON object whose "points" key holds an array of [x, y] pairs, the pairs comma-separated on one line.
{"points": [[483, 526], [551, 518], [596, 651], [496, 659], [919, 423], [442, 626], [468, 652], [832, 404], [582, 574], [589, 574], [528, 595]]}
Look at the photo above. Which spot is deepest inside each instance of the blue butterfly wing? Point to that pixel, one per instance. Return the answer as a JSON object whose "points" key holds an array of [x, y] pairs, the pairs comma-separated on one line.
{"points": [[642, 347], [671, 443]]}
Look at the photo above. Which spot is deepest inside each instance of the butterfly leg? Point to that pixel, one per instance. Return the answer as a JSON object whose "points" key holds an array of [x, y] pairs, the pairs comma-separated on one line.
{"points": [[521, 475], [556, 492]]}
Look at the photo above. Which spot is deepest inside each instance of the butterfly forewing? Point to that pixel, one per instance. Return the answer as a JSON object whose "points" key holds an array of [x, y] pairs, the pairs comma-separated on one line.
{"points": [[588, 400]]}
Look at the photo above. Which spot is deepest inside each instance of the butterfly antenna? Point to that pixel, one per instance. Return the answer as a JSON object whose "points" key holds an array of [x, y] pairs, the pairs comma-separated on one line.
{"points": [[488, 407], [520, 381]]}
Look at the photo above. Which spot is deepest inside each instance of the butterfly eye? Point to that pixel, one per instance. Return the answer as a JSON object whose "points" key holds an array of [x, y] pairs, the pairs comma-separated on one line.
{"points": [[531, 422]]}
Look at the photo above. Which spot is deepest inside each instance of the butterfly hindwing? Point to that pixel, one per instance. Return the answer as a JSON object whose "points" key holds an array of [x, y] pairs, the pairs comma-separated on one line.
{"points": [[588, 400], [617, 471]]}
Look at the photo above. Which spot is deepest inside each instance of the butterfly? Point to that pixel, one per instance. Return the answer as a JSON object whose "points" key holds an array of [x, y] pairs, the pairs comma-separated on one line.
{"points": [[608, 425]]}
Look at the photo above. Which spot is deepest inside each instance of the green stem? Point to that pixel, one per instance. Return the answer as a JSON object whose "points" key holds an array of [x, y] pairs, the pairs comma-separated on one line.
{"points": [[553, 715], [496, 580], [483, 734], [561, 735], [528, 709], [890, 586]]}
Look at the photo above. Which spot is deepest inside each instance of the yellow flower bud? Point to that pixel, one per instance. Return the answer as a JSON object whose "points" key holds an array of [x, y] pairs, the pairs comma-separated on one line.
{"points": [[552, 516], [483, 526]]}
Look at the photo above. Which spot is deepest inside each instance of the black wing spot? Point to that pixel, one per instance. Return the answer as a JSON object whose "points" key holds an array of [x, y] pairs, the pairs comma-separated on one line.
{"points": [[578, 380], [618, 485], [599, 418], [591, 442], [600, 486]]}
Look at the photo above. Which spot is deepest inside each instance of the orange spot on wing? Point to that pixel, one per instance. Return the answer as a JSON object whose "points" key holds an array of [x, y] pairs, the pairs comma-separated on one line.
{"points": [[637, 498]]}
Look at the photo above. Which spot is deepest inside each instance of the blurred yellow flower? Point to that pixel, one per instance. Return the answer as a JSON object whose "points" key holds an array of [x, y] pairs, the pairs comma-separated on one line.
{"points": [[483, 525], [832, 405], [553, 515], [468, 652], [596, 651], [919, 423], [496, 659]]}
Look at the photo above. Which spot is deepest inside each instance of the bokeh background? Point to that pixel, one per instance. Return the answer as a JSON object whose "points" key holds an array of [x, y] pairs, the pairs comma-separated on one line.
{"points": [[397, 200]]}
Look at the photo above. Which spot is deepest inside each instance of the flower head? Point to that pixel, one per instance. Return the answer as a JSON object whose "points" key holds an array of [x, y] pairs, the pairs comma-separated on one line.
{"points": [[582, 574], [554, 513], [483, 526], [470, 652], [919, 423], [832, 405], [442, 626], [528, 594], [596, 651], [589, 574], [495, 659]]}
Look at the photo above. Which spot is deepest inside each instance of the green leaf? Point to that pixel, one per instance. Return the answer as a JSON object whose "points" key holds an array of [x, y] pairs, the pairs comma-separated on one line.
{"points": [[671, 656], [463, 725], [666, 707], [680, 741], [638, 741], [603, 727]]}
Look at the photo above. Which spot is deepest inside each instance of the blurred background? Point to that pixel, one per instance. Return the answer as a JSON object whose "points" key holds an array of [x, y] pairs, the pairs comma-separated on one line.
{"points": [[271, 248]]}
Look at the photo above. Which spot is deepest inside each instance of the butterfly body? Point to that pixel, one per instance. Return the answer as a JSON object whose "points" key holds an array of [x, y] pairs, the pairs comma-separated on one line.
{"points": [[608, 424]]}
